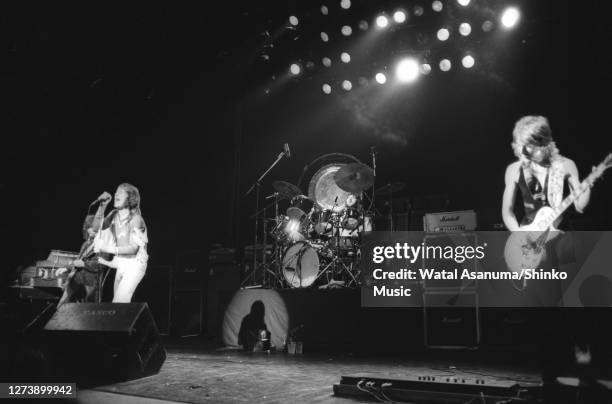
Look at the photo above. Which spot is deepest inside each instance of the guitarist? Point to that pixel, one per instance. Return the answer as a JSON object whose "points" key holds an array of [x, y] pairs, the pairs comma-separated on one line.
{"points": [[84, 280], [539, 174]]}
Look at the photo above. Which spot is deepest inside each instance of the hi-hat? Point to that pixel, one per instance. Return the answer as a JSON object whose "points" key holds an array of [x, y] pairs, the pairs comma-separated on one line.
{"points": [[354, 177], [390, 188], [285, 189]]}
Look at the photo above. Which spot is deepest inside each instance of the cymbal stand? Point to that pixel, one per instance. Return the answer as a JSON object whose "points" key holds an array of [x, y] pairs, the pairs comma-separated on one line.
{"points": [[257, 186]]}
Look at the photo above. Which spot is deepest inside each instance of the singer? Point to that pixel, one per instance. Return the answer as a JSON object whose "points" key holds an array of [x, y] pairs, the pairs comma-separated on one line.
{"points": [[122, 235]]}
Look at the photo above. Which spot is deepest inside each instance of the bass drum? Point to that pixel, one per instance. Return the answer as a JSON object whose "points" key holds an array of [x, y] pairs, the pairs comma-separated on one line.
{"points": [[300, 265]]}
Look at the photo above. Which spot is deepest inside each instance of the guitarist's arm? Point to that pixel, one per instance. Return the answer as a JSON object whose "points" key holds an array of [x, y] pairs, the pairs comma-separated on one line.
{"points": [[574, 182], [511, 180]]}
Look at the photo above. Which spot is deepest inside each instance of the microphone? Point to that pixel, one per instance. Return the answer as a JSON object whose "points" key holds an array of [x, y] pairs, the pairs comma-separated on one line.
{"points": [[287, 151]]}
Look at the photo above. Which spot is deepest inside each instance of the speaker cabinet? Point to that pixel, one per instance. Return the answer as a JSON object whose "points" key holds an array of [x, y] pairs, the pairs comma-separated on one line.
{"points": [[104, 342], [451, 319]]}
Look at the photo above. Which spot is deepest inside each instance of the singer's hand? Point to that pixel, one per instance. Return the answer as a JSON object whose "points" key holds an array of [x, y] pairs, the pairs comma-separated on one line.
{"points": [[105, 197]]}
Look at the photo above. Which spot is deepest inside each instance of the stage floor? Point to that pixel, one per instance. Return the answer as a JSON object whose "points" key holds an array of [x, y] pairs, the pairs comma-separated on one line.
{"points": [[208, 375]]}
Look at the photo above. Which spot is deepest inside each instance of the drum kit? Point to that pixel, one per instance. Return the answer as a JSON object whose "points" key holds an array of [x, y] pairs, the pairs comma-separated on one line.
{"points": [[316, 235], [316, 241]]}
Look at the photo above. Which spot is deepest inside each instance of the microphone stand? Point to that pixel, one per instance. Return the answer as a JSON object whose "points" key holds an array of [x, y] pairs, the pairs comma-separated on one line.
{"points": [[257, 186]]}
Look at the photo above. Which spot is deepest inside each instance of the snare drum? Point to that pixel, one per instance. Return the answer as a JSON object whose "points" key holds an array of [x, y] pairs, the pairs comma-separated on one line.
{"points": [[300, 265]]}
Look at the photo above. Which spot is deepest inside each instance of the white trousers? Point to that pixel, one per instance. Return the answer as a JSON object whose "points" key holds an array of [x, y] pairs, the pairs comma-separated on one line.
{"points": [[130, 272]]}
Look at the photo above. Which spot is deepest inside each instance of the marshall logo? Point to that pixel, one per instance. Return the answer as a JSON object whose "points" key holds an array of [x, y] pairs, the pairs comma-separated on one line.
{"points": [[449, 218], [100, 312]]}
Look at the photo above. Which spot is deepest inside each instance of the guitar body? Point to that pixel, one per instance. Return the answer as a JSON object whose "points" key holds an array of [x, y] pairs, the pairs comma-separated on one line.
{"points": [[526, 247]]}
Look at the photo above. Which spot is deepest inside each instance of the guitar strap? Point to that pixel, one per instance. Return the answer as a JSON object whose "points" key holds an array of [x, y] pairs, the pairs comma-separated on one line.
{"points": [[555, 184]]}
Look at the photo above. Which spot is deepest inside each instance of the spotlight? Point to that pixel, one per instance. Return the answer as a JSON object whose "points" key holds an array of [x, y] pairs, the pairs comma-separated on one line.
{"points": [[324, 10], [463, 3], [347, 85], [327, 62], [346, 30], [293, 20], [425, 68], [437, 6], [443, 34], [418, 11], [310, 65], [295, 69], [445, 65], [345, 4], [510, 17], [326, 88], [382, 21], [363, 25], [362, 81], [465, 29], [467, 61], [381, 78], [407, 70], [324, 37], [399, 16], [345, 57], [487, 26]]}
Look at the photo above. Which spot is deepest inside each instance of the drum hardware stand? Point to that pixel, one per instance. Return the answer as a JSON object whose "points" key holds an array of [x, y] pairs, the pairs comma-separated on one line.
{"points": [[336, 256], [257, 186]]}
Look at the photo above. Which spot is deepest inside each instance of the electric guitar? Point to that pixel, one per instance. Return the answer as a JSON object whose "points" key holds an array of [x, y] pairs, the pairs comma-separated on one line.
{"points": [[526, 248]]}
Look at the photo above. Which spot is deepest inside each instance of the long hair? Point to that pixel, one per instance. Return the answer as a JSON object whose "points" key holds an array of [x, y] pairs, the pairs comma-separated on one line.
{"points": [[133, 199], [532, 130]]}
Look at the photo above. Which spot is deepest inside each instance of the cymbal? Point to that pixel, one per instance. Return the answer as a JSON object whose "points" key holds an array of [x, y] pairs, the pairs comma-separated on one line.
{"points": [[286, 189], [390, 188], [354, 177]]}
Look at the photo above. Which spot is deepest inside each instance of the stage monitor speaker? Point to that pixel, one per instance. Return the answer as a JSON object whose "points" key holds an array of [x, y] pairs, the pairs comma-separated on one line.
{"points": [[451, 319], [103, 342]]}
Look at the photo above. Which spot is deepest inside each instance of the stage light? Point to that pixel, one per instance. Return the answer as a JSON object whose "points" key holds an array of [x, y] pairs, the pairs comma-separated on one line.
{"points": [[443, 34], [327, 62], [382, 21], [324, 36], [346, 30], [362, 81], [381, 78], [437, 6], [510, 17], [345, 57], [347, 85], [407, 70], [363, 25], [326, 88], [293, 20], [295, 69], [324, 10], [418, 11], [345, 4], [468, 61], [399, 16], [465, 29], [487, 26], [425, 68], [463, 3], [310, 65], [445, 65]]}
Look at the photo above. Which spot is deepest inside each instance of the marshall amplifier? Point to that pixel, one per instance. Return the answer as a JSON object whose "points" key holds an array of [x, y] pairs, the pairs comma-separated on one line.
{"points": [[452, 319], [461, 220]]}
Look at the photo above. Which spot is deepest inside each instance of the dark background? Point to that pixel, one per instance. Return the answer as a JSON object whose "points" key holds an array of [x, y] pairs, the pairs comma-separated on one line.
{"points": [[178, 99]]}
